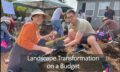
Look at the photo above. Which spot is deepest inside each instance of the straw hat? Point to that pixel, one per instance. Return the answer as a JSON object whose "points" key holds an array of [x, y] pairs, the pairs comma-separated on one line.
{"points": [[40, 12]]}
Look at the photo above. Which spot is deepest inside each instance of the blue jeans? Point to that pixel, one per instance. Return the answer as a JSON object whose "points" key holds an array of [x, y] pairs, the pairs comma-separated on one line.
{"points": [[58, 27]]}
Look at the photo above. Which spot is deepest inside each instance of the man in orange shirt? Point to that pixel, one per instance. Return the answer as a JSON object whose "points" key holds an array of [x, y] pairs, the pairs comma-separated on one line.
{"points": [[27, 41]]}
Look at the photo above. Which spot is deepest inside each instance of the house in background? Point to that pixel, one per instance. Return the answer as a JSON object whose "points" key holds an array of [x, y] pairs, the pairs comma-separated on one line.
{"points": [[96, 9]]}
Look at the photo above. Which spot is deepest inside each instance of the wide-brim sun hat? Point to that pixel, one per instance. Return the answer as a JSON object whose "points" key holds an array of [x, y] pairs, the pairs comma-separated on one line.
{"points": [[40, 12]]}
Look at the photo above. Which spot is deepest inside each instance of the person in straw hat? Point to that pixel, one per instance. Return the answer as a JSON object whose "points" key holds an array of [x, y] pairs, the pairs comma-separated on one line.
{"points": [[27, 42]]}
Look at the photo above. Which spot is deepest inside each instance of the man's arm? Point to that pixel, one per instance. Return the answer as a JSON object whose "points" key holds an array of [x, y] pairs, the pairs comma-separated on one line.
{"points": [[67, 40], [77, 39]]}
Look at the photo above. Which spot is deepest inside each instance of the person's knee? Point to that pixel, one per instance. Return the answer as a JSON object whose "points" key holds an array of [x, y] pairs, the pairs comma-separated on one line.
{"points": [[91, 40], [71, 34]]}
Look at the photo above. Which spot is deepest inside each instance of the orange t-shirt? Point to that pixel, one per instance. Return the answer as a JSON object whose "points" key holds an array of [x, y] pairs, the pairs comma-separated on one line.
{"points": [[28, 36]]}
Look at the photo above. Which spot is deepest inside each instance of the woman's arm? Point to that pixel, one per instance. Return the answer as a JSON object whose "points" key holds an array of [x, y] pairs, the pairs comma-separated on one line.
{"points": [[46, 37], [41, 48]]}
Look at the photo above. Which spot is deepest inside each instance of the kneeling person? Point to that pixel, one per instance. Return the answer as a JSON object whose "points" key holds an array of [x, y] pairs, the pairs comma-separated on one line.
{"points": [[80, 32], [27, 42]]}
